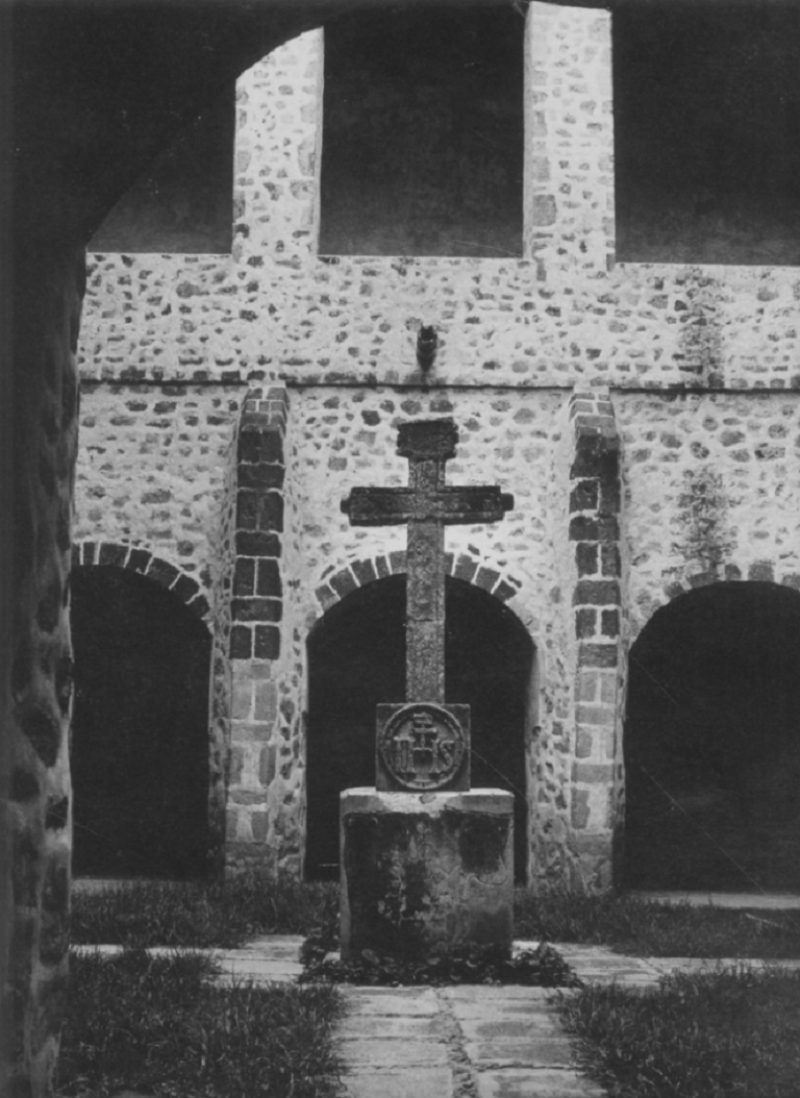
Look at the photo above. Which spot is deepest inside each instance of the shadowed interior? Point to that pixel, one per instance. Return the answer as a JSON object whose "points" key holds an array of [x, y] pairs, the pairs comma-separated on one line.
{"points": [[712, 742], [139, 750]]}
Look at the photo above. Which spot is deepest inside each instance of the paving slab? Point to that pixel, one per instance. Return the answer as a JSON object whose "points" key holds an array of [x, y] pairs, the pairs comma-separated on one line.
{"points": [[536, 1083], [430, 1083], [596, 964], [532, 1051], [392, 1001], [499, 1027], [389, 1026], [534, 1012], [737, 901], [476, 992], [394, 1053], [277, 945]]}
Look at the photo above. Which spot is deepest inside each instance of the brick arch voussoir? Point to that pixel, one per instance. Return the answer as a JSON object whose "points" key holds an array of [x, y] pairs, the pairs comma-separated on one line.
{"points": [[461, 566], [761, 571], [135, 558]]}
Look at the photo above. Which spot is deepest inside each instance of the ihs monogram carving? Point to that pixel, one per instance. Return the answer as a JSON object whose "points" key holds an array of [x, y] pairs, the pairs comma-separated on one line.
{"points": [[422, 746]]}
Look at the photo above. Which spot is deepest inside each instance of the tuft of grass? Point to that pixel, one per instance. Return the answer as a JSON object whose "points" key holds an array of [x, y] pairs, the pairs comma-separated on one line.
{"points": [[226, 914], [157, 1025], [641, 928], [730, 1034], [201, 915]]}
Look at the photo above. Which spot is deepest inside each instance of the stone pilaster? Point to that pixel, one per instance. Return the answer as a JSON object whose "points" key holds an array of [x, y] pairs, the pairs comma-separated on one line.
{"points": [[256, 613], [594, 531], [569, 176], [276, 197]]}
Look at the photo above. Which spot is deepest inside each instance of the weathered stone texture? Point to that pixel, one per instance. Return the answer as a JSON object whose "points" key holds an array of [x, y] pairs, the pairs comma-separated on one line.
{"points": [[426, 872], [37, 815], [339, 437], [709, 472], [564, 316], [713, 491], [150, 469], [570, 140]]}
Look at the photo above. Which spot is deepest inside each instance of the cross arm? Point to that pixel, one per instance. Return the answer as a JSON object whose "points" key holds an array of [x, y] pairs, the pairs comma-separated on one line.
{"points": [[449, 505]]}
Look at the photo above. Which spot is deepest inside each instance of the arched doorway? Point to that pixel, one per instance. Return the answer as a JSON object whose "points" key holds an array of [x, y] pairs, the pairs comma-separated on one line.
{"points": [[357, 659], [712, 742], [139, 751]]}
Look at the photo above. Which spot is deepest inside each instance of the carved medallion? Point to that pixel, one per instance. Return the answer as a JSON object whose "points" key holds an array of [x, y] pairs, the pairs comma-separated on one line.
{"points": [[422, 746]]}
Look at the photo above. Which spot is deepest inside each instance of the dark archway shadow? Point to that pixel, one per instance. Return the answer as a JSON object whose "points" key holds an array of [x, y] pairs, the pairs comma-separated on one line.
{"points": [[140, 748], [712, 743], [357, 659]]}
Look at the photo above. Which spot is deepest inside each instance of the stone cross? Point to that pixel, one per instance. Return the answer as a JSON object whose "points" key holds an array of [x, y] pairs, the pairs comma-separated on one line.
{"points": [[427, 505]]}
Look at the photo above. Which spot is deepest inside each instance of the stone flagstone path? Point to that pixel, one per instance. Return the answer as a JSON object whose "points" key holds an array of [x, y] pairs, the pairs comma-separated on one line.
{"points": [[459, 1042], [466, 1041]]}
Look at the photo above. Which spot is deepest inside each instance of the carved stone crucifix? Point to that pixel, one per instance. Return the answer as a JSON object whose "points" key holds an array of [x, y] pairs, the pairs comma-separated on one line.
{"points": [[415, 756]]}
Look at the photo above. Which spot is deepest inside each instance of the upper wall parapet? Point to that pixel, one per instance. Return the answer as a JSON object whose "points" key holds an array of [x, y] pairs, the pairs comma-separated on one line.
{"points": [[568, 313]]}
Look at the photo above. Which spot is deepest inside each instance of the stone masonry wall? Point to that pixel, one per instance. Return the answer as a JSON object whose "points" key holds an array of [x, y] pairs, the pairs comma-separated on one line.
{"points": [[340, 438], [697, 365], [38, 813], [566, 315], [151, 467], [712, 484]]}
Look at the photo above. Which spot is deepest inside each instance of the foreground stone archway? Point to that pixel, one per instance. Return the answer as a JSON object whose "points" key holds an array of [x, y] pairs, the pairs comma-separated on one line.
{"points": [[357, 659], [712, 748]]}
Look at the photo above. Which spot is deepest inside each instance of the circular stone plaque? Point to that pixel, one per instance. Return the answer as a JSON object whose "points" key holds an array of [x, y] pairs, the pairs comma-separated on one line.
{"points": [[422, 746]]}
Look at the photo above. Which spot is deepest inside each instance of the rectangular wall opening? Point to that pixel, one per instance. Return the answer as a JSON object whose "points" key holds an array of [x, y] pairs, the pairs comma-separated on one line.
{"points": [[707, 122], [423, 133], [183, 203]]}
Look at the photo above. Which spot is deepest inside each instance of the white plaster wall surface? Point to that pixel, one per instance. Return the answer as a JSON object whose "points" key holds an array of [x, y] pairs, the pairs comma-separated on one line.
{"points": [[712, 491], [151, 470]]}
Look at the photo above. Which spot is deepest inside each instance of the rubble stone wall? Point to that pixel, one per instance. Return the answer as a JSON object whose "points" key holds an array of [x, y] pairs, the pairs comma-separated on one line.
{"points": [[712, 489], [691, 373], [37, 815], [568, 314], [151, 469]]}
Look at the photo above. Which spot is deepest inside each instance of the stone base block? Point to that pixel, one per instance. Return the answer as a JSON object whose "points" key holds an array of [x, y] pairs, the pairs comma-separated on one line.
{"points": [[426, 871]]}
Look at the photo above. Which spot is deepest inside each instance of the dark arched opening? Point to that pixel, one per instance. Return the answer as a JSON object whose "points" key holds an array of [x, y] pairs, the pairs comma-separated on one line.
{"points": [[139, 752], [712, 742], [357, 659]]}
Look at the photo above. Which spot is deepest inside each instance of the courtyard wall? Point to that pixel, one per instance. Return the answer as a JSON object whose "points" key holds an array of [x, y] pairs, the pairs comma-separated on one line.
{"points": [[696, 369]]}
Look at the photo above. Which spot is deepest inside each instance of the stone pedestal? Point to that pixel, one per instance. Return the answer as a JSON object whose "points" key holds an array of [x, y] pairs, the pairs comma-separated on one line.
{"points": [[426, 871]]}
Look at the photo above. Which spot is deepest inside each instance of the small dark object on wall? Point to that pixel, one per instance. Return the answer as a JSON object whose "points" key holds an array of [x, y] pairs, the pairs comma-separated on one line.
{"points": [[427, 345]]}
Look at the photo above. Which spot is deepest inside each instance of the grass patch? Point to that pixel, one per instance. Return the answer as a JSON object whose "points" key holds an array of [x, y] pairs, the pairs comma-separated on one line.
{"points": [[226, 914], [156, 1025], [640, 928], [730, 1034], [200, 915]]}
